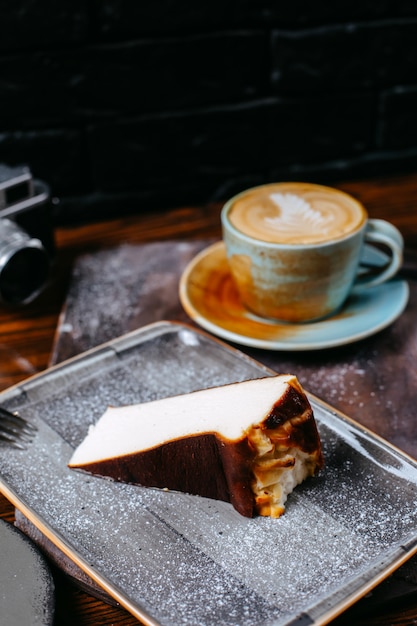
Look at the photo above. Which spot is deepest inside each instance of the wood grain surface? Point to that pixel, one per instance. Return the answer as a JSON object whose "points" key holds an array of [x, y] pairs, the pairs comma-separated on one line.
{"points": [[373, 381]]}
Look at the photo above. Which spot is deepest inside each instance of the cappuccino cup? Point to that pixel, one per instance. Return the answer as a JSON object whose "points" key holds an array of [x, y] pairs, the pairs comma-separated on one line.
{"points": [[294, 249]]}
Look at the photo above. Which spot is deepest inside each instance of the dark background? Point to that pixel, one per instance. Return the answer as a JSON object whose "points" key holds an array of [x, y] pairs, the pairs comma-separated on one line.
{"points": [[136, 105]]}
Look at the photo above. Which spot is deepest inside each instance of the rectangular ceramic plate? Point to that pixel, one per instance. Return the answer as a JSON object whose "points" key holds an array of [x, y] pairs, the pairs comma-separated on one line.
{"points": [[171, 558]]}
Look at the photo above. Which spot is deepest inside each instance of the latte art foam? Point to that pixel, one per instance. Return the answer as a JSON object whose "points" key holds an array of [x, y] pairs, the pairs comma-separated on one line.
{"points": [[294, 213]]}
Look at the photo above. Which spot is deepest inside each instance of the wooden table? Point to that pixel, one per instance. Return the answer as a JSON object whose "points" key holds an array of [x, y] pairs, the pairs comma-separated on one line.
{"points": [[28, 334]]}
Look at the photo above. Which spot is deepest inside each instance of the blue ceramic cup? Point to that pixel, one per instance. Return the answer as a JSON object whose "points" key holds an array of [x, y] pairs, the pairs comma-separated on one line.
{"points": [[294, 249]]}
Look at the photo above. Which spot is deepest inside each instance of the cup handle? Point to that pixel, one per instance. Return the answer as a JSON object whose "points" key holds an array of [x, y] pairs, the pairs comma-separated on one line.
{"points": [[382, 232]]}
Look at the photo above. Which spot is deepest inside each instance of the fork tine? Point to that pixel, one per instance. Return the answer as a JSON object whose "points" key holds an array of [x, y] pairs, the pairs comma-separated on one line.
{"points": [[14, 419], [12, 441], [14, 429], [13, 432]]}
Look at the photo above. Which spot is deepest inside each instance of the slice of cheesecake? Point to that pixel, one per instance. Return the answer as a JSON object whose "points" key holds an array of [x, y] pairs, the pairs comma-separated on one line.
{"points": [[247, 443]]}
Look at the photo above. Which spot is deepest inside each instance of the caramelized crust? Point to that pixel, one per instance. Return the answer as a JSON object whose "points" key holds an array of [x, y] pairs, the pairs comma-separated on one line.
{"points": [[287, 450]]}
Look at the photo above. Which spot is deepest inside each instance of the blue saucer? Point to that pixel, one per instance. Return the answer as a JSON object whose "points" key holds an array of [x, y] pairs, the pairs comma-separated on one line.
{"points": [[208, 295]]}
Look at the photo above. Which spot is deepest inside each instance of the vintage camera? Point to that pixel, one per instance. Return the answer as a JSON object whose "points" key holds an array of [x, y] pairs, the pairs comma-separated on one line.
{"points": [[26, 235]]}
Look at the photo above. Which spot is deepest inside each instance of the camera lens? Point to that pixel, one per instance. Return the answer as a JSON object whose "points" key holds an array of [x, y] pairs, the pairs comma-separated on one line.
{"points": [[24, 275], [24, 264]]}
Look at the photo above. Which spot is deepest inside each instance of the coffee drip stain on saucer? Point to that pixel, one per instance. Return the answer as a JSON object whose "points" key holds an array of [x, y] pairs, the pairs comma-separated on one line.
{"points": [[213, 295]]}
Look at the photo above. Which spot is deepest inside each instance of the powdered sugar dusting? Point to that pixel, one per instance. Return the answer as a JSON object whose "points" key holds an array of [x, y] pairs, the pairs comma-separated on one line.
{"points": [[188, 560]]}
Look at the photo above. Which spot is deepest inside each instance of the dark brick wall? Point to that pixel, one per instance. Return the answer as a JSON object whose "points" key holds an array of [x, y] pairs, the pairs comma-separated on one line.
{"points": [[134, 105]]}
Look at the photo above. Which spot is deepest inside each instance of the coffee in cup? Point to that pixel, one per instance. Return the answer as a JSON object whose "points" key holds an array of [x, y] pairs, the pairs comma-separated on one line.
{"points": [[294, 249]]}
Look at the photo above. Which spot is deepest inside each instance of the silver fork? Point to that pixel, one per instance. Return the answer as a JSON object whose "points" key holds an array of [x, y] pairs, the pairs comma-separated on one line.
{"points": [[15, 431]]}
